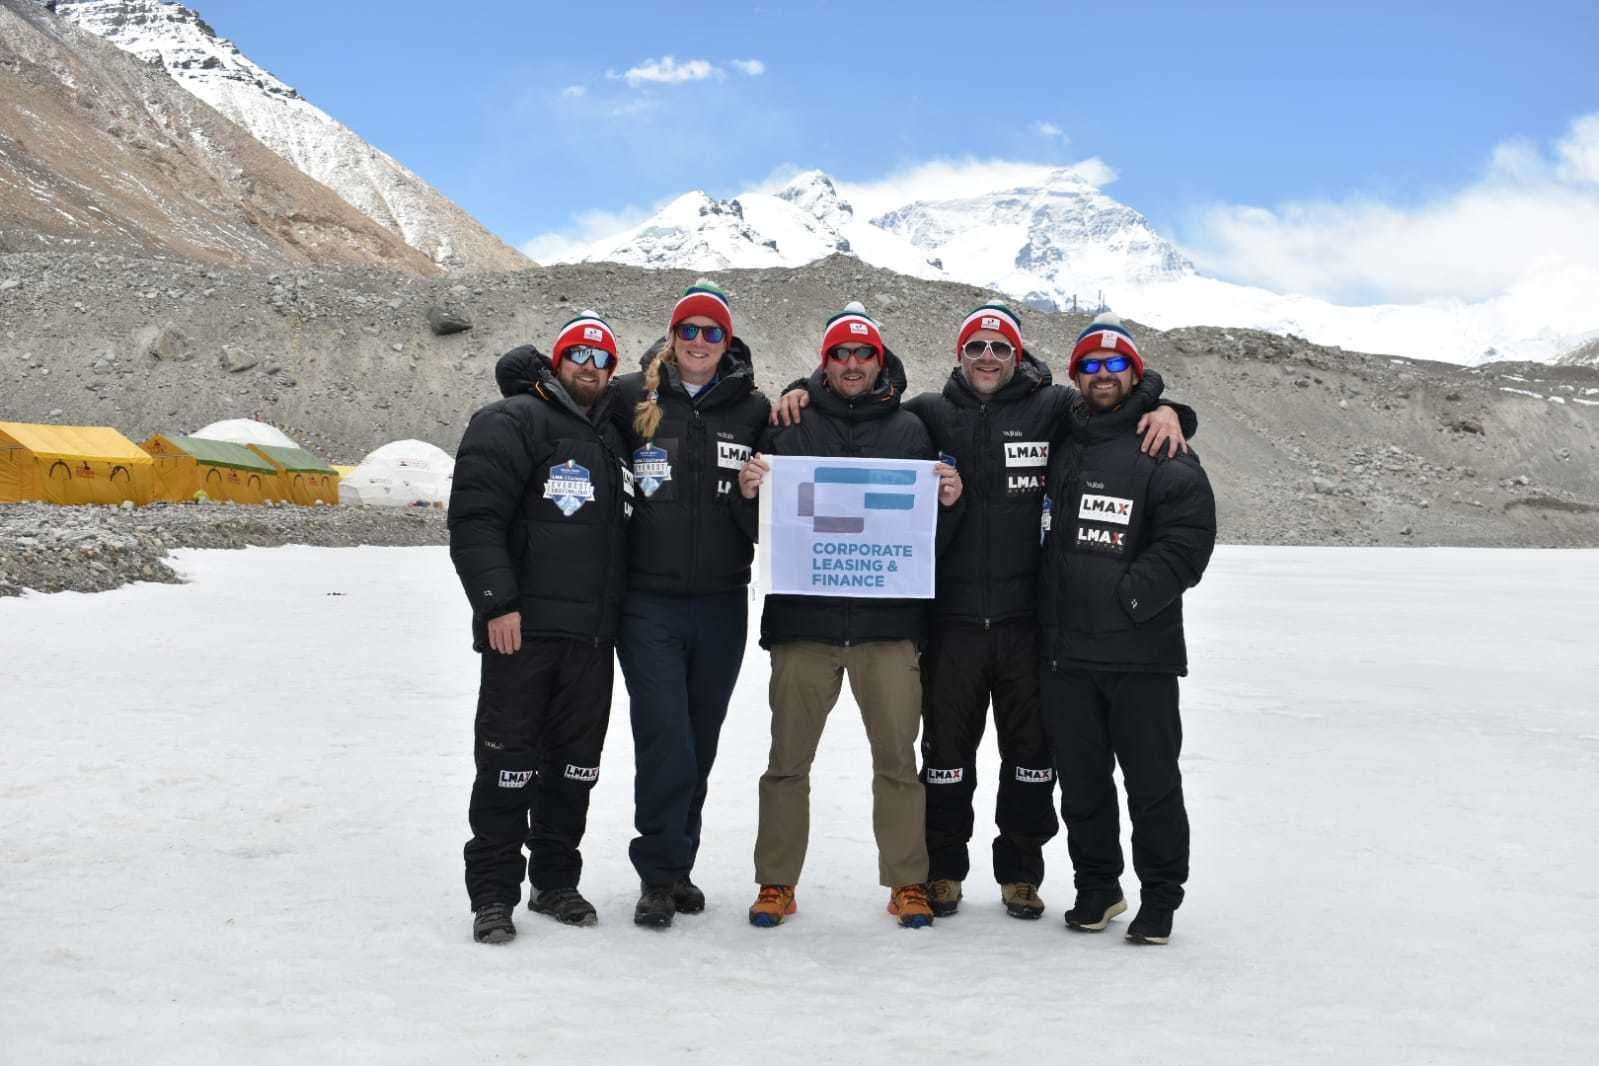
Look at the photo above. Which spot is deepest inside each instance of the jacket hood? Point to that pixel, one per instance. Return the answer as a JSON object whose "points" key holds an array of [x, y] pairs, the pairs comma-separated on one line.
{"points": [[516, 370]]}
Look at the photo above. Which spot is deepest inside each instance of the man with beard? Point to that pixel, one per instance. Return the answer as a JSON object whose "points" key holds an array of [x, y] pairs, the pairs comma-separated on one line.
{"points": [[816, 640], [538, 519], [1124, 535]]}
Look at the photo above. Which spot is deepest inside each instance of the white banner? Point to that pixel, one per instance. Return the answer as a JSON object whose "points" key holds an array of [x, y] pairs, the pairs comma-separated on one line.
{"points": [[848, 527]]}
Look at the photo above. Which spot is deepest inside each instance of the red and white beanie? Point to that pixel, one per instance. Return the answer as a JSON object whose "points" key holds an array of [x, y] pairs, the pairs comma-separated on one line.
{"points": [[851, 326], [997, 317], [1105, 334], [589, 329], [704, 298]]}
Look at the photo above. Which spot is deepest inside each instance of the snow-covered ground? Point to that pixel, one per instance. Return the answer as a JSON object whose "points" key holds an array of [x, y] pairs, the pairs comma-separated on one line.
{"points": [[231, 816]]}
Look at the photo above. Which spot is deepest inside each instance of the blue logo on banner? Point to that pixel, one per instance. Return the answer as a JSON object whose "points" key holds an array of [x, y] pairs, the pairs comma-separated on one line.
{"points": [[855, 475], [652, 468], [569, 486]]}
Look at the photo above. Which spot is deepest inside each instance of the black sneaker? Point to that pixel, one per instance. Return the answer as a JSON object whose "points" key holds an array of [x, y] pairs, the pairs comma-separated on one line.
{"points": [[687, 897], [492, 924], [1152, 926], [1094, 909], [565, 905], [656, 905]]}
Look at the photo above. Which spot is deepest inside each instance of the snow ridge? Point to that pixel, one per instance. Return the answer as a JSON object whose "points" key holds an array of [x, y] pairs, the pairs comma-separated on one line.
{"points": [[213, 68]]}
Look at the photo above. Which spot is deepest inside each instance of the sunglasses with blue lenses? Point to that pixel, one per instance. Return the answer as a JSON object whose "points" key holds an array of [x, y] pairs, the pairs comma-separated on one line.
{"points": [[1115, 364], [582, 354], [688, 331]]}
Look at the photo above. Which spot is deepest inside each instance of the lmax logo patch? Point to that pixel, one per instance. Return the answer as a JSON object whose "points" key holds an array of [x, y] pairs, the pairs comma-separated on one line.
{"points": [[1026, 453], [582, 773], [1106, 509], [515, 778], [730, 456], [1031, 776], [944, 777]]}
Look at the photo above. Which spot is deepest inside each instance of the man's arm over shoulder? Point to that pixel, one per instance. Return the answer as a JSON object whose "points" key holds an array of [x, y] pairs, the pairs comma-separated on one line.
{"points": [[1181, 536], [492, 469]]}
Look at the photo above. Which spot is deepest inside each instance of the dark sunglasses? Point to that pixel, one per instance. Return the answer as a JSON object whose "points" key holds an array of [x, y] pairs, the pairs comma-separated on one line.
{"points": [[582, 354], [688, 331], [1115, 364], [975, 349], [841, 353]]}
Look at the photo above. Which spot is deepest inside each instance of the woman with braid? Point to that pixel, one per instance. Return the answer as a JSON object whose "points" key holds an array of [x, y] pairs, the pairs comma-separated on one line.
{"points": [[694, 415]]}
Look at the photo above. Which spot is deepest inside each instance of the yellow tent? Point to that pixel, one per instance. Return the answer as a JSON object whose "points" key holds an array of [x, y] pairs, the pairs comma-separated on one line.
{"points": [[344, 471], [223, 471], [305, 478], [72, 464]]}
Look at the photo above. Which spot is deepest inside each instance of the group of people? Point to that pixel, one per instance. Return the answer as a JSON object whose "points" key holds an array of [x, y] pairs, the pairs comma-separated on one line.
{"points": [[594, 512]]}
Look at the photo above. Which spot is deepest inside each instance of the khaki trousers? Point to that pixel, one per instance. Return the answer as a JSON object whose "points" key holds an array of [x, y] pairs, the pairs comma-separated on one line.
{"points": [[806, 680]]}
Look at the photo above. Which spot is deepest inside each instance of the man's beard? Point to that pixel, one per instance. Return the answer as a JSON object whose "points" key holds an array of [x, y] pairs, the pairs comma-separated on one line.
{"points": [[585, 395]]}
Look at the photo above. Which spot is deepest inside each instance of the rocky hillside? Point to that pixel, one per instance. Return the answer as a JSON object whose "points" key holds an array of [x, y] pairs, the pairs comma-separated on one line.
{"points": [[1306, 444], [177, 40], [99, 152]]}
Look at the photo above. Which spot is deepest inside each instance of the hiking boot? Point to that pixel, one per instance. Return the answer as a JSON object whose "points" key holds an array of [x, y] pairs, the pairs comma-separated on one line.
{"points": [[687, 897], [565, 905], [909, 903], [1094, 909], [774, 903], [944, 896], [656, 907], [1152, 926], [1021, 900], [492, 924]]}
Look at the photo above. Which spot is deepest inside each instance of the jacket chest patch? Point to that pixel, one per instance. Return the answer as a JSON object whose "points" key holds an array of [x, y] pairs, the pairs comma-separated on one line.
{"points": [[1026, 453], [1114, 509], [730, 456], [1092, 538], [569, 487], [652, 468]]}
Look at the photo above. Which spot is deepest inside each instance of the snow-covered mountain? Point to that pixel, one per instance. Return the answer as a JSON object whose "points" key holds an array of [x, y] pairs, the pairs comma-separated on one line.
{"points": [[1062, 242], [216, 71]]}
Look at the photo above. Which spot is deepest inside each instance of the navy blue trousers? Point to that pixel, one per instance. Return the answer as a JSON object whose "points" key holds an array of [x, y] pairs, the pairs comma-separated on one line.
{"points": [[541, 719], [680, 658]]}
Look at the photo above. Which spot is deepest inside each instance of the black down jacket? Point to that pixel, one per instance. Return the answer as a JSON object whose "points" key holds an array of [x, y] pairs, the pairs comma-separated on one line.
{"points": [[1001, 445], [873, 426], [1124, 535], [539, 508], [687, 537]]}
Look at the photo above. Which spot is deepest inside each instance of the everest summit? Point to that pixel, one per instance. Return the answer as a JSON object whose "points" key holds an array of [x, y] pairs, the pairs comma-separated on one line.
{"points": [[215, 70]]}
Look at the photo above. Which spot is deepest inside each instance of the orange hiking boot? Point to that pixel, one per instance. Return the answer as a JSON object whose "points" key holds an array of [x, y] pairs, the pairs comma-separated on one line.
{"points": [[909, 902], [774, 903]]}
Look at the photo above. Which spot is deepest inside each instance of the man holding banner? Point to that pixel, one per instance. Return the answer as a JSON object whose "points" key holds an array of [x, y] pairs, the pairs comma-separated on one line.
{"points": [[847, 550]]}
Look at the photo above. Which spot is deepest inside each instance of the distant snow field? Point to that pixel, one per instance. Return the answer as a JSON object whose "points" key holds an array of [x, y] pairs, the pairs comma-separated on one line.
{"points": [[233, 814]]}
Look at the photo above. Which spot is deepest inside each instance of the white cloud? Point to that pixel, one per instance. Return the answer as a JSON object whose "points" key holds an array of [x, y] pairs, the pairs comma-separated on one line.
{"points": [[754, 68], [952, 179], [1049, 129], [574, 91], [1532, 212], [587, 227], [667, 71]]}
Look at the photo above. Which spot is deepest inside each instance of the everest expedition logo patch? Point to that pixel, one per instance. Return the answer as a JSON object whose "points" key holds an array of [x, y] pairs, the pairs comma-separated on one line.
{"points": [[569, 486], [1105, 509], [515, 778], [652, 468]]}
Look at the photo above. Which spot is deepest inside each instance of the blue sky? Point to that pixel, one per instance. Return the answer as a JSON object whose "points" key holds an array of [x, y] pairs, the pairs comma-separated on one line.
{"points": [[523, 114]]}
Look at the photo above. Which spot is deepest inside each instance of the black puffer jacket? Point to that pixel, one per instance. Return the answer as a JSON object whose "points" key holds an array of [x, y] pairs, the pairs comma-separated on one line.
{"points": [[687, 538], [874, 426], [539, 508], [1124, 536], [1001, 445]]}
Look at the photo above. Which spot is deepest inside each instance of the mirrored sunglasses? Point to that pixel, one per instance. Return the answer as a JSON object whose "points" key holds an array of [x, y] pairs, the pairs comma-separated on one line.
{"points": [[975, 349], [1115, 364], [842, 353], [582, 354], [689, 330]]}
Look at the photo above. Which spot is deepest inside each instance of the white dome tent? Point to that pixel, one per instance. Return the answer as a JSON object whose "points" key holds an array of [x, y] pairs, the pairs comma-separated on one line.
{"points": [[404, 473], [245, 431]]}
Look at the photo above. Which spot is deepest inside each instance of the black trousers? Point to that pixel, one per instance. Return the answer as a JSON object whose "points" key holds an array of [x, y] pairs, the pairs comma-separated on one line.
{"points": [[541, 718], [680, 658], [1095, 719], [963, 669]]}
